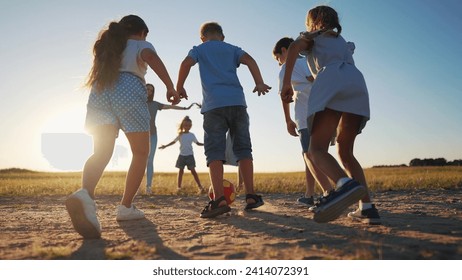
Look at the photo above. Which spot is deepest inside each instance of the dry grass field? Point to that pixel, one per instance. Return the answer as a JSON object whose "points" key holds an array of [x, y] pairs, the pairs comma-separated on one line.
{"points": [[17, 182], [421, 209]]}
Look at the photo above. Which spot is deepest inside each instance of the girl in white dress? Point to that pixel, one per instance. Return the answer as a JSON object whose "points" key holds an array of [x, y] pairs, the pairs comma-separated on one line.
{"points": [[339, 99]]}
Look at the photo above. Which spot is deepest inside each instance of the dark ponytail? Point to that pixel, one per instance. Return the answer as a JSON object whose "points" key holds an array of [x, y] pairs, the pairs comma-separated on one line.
{"points": [[108, 51]]}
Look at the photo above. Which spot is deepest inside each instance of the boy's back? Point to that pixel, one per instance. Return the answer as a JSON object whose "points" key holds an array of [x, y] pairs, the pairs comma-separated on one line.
{"points": [[224, 109], [218, 62]]}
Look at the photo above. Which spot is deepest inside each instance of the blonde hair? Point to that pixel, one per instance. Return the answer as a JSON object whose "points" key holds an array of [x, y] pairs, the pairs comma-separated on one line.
{"points": [[181, 129]]}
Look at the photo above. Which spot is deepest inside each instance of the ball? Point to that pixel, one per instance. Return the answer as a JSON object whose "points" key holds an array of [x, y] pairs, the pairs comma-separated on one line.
{"points": [[229, 192]]}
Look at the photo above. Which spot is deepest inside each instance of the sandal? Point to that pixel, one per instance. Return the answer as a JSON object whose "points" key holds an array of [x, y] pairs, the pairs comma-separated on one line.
{"points": [[212, 209], [258, 201]]}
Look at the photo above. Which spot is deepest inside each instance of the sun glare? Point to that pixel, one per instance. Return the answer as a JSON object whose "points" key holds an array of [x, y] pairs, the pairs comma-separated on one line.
{"points": [[64, 143], [65, 120]]}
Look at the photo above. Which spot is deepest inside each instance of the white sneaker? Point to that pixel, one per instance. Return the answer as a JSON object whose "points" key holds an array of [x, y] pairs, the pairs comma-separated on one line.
{"points": [[148, 191], [82, 210], [126, 214]]}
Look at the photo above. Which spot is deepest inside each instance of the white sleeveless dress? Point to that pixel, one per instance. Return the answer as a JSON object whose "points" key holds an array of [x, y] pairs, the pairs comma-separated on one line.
{"points": [[338, 84]]}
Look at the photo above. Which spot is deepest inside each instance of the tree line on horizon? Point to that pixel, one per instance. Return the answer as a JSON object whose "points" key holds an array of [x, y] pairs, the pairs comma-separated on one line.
{"points": [[412, 163], [427, 162]]}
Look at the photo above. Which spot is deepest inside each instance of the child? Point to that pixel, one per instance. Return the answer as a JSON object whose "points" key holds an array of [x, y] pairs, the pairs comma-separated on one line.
{"points": [[117, 101], [301, 82], [339, 98], [224, 108], [186, 157], [153, 107]]}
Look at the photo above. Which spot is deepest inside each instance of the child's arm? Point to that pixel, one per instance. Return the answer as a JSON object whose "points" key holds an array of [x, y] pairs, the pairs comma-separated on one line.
{"points": [[199, 143], [156, 64], [169, 144], [292, 54], [291, 126], [260, 86], [166, 106], [183, 73]]}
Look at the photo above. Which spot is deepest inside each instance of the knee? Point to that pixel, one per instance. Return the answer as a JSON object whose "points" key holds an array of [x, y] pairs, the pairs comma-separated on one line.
{"points": [[101, 156], [311, 154], [345, 155]]}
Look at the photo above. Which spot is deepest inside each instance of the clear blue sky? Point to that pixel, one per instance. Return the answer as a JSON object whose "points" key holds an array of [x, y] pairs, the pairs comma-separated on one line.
{"points": [[410, 53]]}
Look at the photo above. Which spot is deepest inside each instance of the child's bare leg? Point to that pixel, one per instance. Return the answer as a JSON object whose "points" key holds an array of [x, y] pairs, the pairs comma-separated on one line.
{"points": [[196, 178], [320, 177], [180, 178], [216, 177], [240, 180], [139, 144], [324, 126], [348, 130], [246, 168], [103, 146], [309, 179]]}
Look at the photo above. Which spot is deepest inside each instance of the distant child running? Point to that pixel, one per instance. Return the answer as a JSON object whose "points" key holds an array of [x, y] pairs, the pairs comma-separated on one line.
{"points": [[224, 108], [117, 101], [154, 107], [186, 157], [301, 82], [339, 98]]}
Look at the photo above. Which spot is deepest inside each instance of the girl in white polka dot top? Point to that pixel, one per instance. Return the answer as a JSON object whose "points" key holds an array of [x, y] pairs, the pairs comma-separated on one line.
{"points": [[117, 101]]}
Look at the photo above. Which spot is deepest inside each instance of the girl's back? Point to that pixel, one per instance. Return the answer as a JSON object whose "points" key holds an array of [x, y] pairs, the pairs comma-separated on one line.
{"points": [[329, 50]]}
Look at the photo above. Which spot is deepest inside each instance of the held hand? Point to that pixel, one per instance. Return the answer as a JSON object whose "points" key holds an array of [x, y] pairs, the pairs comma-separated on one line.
{"points": [[173, 97], [198, 105], [261, 89], [286, 93], [182, 93], [292, 128], [161, 147]]}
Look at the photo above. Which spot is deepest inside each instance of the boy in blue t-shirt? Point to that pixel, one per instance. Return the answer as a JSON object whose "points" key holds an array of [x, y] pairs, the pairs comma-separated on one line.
{"points": [[224, 108]]}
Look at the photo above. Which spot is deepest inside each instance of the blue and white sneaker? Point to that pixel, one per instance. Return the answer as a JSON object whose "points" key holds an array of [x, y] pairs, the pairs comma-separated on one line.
{"points": [[330, 207], [367, 216], [307, 201]]}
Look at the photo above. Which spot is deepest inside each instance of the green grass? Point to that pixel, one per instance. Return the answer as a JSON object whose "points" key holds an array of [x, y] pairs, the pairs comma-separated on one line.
{"points": [[19, 182]]}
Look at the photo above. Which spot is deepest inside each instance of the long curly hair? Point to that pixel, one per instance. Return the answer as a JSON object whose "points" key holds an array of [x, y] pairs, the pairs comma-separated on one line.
{"points": [[108, 51]]}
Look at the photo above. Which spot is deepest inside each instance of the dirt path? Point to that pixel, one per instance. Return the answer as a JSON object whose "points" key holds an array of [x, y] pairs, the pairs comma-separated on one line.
{"points": [[416, 225]]}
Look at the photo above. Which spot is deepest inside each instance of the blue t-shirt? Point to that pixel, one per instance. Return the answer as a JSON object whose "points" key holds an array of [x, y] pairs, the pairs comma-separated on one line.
{"points": [[218, 63]]}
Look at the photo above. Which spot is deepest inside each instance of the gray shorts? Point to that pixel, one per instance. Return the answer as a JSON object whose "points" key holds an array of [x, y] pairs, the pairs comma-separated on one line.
{"points": [[216, 124], [183, 161]]}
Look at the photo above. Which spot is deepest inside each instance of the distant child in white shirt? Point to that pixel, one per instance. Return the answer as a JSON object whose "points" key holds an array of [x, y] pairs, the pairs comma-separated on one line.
{"points": [[186, 157]]}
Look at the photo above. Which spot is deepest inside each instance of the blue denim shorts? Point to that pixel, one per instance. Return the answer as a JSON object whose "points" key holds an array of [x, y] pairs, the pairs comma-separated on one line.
{"points": [[123, 106], [216, 123], [304, 137]]}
